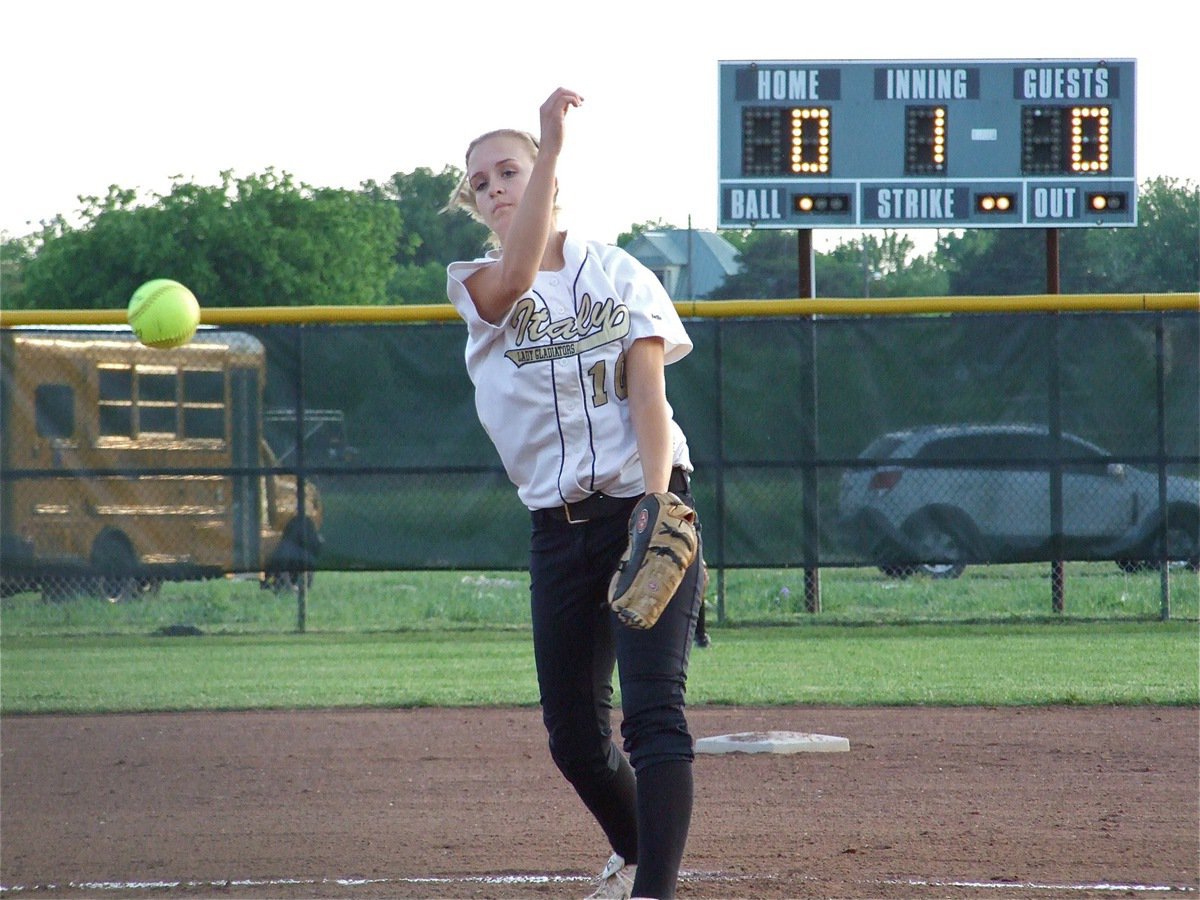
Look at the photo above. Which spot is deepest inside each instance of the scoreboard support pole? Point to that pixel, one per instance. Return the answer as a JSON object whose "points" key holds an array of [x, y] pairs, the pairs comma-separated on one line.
{"points": [[804, 256], [810, 522]]}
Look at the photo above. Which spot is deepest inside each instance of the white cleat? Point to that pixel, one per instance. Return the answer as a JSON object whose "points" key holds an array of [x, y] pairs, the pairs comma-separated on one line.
{"points": [[615, 882]]}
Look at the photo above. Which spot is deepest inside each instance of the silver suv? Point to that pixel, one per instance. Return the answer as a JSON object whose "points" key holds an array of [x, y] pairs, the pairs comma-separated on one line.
{"points": [[939, 497]]}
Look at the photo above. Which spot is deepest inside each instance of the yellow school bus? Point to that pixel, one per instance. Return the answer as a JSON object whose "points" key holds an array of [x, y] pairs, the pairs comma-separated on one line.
{"points": [[126, 466]]}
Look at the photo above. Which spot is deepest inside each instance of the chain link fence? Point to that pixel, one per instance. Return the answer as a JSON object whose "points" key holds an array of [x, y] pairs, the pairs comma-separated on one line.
{"points": [[917, 446]]}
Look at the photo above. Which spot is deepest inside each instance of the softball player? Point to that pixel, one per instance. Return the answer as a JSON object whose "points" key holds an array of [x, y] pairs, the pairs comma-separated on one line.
{"points": [[566, 345]]}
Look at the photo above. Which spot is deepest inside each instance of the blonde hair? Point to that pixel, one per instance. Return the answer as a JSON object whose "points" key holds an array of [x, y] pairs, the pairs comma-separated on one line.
{"points": [[463, 197]]}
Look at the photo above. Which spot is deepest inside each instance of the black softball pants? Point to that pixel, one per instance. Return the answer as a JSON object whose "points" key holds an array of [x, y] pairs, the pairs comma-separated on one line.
{"points": [[643, 802]]}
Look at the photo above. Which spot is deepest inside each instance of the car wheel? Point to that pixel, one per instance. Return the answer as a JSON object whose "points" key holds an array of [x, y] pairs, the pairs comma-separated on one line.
{"points": [[1181, 548], [1181, 545], [943, 570], [942, 536]]}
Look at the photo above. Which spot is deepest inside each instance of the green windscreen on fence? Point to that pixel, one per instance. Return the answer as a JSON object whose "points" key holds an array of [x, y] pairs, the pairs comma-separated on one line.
{"points": [[890, 441]]}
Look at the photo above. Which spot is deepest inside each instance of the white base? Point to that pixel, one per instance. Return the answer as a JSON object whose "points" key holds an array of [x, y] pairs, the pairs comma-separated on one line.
{"points": [[772, 742]]}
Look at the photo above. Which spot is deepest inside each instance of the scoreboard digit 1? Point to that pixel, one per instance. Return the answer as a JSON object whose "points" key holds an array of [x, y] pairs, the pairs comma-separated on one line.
{"points": [[936, 144]]}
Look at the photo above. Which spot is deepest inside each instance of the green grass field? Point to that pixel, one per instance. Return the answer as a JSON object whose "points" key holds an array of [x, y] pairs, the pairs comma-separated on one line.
{"points": [[361, 602], [1073, 663], [452, 638]]}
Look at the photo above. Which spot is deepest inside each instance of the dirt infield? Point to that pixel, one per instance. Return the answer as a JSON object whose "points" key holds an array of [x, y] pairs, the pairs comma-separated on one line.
{"points": [[996, 803]]}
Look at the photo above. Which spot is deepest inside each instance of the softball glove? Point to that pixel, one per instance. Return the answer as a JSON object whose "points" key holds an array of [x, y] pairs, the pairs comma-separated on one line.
{"points": [[662, 544]]}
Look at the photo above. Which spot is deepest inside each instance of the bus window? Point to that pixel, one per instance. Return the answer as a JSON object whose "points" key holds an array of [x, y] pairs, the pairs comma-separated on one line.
{"points": [[203, 404], [157, 401], [55, 410], [116, 401]]}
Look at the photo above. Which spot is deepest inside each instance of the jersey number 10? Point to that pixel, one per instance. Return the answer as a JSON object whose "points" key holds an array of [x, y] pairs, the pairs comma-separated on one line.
{"points": [[599, 375]]}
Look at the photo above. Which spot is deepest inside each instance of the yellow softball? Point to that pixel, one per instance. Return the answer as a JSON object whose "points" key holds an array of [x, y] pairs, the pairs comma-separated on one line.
{"points": [[163, 313]]}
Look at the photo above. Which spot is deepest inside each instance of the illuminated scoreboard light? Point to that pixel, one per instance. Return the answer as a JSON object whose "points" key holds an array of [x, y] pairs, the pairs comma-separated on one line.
{"points": [[939, 144], [1066, 140], [924, 140], [782, 141]]}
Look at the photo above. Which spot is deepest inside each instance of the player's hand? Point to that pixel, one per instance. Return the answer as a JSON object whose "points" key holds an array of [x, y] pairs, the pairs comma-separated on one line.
{"points": [[553, 114]]}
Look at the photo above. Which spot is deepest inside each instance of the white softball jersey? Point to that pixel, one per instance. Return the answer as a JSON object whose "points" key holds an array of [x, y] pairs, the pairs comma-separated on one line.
{"points": [[550, 378]]}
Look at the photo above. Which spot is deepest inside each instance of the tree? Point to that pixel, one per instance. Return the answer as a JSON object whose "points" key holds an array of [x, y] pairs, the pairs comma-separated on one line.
{"points": [[1161, 254], [983, 261], [431, 238], [263, 240], [870, 266], [15, 254], [769, 267], [866, 266]]}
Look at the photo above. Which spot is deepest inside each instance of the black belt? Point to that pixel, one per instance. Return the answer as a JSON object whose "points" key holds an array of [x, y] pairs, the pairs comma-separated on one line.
{"points": [[600, 505]]}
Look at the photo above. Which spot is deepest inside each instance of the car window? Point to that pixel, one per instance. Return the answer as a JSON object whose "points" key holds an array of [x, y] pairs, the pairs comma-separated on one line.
{"points": [[882, 447], [1075, 449], [940, 449], [984, 446], [959, 448], [1022, 447]]}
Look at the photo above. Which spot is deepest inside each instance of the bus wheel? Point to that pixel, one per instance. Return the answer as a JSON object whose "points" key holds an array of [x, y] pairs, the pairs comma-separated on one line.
{"points": [[289, 582], [293, 561], [114, 562]]}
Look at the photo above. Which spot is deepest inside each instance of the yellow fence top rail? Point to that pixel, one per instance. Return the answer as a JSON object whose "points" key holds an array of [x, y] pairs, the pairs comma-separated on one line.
{"points": [[697, 309]]}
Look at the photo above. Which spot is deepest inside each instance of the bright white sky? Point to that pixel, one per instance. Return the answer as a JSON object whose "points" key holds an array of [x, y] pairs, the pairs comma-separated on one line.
{"points": [[131, 93]]}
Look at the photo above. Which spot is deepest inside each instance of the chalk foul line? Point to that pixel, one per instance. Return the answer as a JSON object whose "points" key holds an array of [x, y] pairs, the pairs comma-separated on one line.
{"points": [[531, 879]]}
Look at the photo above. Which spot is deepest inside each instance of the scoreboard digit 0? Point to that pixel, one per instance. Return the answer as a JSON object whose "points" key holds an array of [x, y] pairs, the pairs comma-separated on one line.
{"points": [[936, 144]]}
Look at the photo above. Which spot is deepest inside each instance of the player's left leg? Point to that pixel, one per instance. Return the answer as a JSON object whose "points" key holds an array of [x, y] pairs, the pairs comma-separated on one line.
{"points": [[652, 666]]}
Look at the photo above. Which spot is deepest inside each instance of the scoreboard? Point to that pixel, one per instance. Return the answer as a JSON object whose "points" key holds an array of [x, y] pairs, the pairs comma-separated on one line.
{"points": [[927, 144]]}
